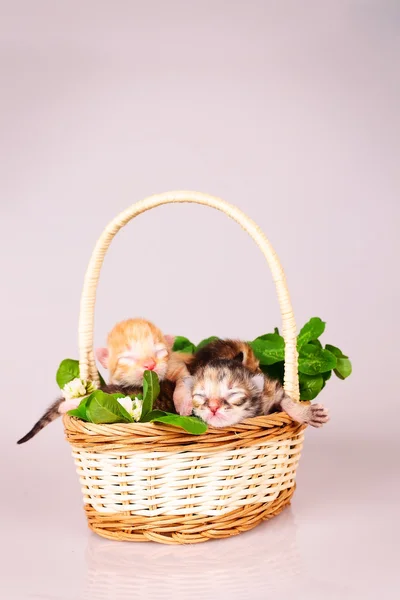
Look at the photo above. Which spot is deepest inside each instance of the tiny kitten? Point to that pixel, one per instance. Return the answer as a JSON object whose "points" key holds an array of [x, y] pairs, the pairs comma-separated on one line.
{"points": [[215, 384], [134, 346], [225, 392]]}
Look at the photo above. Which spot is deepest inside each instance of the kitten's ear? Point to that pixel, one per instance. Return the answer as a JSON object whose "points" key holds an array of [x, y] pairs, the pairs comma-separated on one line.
{"points": [[239, 357], [259, 381], [102, 356], [170, 339]]}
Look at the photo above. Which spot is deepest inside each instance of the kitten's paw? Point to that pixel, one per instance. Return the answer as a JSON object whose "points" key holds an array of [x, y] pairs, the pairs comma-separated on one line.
{"points": [[317, 415], [183, 397]]}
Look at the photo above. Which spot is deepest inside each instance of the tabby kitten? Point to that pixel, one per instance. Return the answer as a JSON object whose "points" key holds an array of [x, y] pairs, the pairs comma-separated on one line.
{"points": [[225, 392], [214, 386], [227, 349]]}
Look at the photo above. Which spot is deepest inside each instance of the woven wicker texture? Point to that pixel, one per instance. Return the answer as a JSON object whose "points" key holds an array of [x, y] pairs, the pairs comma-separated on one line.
{"points": [[148, 482], [187, 530]]}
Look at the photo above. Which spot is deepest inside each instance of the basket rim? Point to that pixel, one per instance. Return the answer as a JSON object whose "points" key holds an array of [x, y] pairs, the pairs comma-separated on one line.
{"points": [[261, 422], [162, 437]]}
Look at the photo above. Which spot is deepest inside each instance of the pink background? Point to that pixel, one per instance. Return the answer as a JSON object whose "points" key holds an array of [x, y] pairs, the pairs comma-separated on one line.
{"points": [[288, 110]]}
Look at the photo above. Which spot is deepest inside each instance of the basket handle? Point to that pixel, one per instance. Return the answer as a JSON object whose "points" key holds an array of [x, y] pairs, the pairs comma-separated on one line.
{"points": [[87, 364]]}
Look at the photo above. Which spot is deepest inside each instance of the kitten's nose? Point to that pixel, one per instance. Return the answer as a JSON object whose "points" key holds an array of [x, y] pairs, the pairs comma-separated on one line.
{"points": [[214, 405], [149, 364]]}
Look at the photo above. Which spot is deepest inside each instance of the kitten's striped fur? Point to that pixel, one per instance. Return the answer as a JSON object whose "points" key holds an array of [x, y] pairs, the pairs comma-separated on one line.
{"points": [[226, 349], [50, 415], [225, 392], [216, 372]]}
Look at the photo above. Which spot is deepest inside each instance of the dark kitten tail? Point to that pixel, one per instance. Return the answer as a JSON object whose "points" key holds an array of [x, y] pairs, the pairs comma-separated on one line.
{"points": [[50, 415], [163, 402]]}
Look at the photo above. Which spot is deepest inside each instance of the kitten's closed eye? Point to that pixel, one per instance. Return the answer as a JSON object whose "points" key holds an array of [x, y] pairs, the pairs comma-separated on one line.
{"points": [[236, 395], [239, 401], [126, 360], [162, 353]]}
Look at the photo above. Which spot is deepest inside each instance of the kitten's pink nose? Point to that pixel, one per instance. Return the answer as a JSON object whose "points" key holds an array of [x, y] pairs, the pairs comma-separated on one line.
{"points": [[149, 364], [214, 405]]}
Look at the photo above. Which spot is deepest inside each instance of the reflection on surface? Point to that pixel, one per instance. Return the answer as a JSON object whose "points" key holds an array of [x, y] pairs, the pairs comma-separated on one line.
{"points": [[256, 564]]}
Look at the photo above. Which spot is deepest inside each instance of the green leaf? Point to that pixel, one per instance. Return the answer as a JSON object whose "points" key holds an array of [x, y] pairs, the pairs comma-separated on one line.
{"points": [[80, 410], [336, 351], [182, 344], [152, 415], [316, 343], [188, 349], [275, 371], [326, 375], [311, 331], [104, 408], [67, 371], [313, 360], [151, 390], [310, 386], [190, 424], [269, 337], [269, 348], [102, 382], [206, 341], [343, 368]]}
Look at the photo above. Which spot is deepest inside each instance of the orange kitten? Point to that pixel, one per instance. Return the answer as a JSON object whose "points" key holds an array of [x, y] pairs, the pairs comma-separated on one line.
{"points": [[136, 345]]}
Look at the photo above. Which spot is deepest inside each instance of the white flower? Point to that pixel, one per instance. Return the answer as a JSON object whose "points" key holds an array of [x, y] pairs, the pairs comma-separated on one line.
{"points": [[78, 388], [132, 407], [126, 402], [137, 409], [90, 386]]}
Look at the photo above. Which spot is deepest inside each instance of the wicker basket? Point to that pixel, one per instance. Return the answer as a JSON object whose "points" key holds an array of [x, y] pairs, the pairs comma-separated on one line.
{"points": [[145, 481]]}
